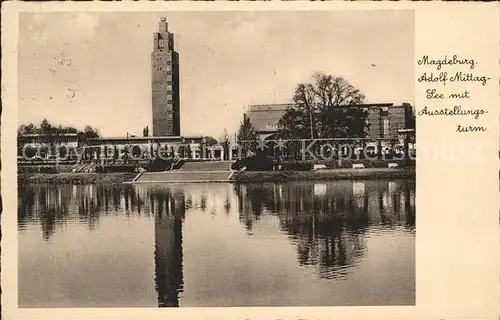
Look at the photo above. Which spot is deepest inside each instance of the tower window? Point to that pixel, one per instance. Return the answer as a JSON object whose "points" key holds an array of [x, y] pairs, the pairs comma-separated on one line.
{"points": [[168, 72], [169, 101], [169, 92], [169, 82]]}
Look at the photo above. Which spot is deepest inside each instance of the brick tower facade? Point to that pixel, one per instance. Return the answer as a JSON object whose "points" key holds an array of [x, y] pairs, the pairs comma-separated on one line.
{"points": [[165, 83]]}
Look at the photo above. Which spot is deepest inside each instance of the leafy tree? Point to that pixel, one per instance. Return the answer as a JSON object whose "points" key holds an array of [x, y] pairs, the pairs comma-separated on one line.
{"points": [[327, 103], [90, 132], [247, 138], [210, 141], [69, 130], [49, 129], [27, 129]]}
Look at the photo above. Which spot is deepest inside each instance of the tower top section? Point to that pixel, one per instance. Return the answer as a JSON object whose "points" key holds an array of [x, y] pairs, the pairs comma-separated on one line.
{"points": [[163, 39], [163, 26]]}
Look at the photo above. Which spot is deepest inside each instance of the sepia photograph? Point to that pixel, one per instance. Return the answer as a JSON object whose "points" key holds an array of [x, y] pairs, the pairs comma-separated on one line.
{"points": [[216, 158]]}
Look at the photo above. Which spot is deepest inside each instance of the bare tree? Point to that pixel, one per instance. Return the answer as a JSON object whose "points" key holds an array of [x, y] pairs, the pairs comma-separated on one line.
{"points": [[324, 108]]}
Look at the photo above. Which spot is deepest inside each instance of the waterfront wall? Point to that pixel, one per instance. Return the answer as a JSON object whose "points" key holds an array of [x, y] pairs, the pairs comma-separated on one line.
{"points": [[244, 176], [325, 175]]}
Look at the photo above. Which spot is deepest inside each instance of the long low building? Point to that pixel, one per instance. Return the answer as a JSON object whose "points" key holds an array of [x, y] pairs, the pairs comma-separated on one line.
{"points": [[79, 140], [39, 140], [109, 147]]}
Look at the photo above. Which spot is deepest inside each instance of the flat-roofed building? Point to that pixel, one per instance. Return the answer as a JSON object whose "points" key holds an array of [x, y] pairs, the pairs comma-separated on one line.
{"points": [[384, 119], [265, 118], [36, 140]]}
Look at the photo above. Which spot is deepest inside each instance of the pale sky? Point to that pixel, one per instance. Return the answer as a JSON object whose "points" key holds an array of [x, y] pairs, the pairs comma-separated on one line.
{"points": [[94, 68]]}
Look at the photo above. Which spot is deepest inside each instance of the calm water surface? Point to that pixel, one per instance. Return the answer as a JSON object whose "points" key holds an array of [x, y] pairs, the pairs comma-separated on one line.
{"points": [[310, 244]]}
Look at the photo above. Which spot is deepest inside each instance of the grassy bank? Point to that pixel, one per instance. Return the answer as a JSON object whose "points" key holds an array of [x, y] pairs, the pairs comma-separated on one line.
{"points": [[335, 174], [76, 178]]}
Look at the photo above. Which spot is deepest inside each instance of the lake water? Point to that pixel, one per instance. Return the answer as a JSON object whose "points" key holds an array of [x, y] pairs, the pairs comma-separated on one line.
{"points": [[188, 245]]}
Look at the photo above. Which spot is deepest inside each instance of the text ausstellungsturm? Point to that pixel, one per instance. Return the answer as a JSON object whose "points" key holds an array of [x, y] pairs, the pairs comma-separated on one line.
{"points": [[455, 111]]}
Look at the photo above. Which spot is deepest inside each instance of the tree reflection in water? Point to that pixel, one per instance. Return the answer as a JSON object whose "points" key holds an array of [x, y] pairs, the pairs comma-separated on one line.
{"points": [[53, 205], [328, 222]]}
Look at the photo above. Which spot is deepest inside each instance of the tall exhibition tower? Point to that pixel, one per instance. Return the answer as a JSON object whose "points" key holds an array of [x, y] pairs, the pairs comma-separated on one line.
{"points": [[165, 83]]}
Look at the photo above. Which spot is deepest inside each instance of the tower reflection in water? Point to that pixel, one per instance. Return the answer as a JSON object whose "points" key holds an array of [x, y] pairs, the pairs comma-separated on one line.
{"points": [[329, 222], [168, 207]]}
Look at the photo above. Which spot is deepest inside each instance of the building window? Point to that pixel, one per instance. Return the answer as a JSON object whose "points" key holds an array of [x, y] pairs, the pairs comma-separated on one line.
{"points": [[385, 128], [168, 62], [169, 101], [169, 82], [168, 72], [169, 92]]}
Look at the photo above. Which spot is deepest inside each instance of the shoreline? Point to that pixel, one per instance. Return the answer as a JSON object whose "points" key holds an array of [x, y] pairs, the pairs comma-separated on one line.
{"points": [[75, 178], [328, 174], [237, 177]]}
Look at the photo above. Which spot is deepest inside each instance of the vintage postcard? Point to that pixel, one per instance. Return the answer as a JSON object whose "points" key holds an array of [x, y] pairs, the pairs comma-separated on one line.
{"points": [[250, 160]]}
